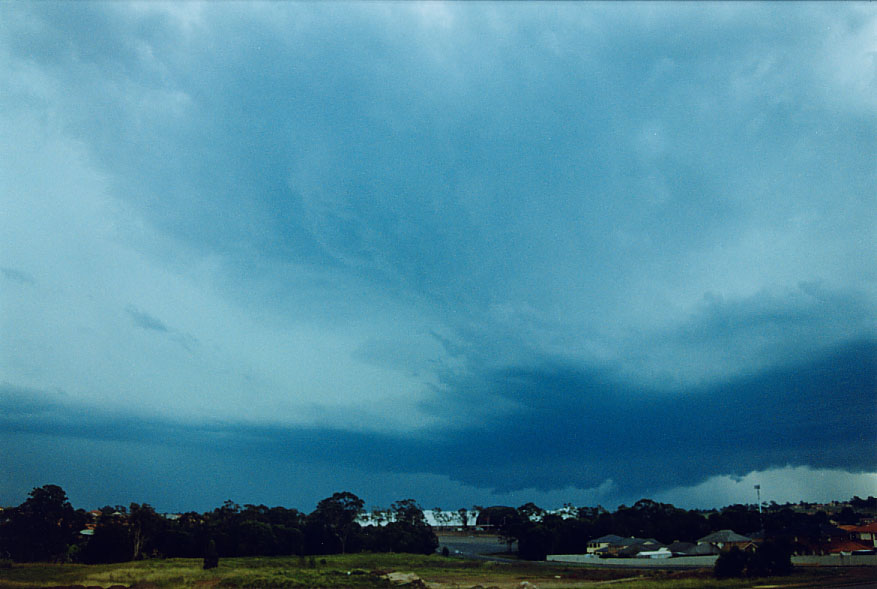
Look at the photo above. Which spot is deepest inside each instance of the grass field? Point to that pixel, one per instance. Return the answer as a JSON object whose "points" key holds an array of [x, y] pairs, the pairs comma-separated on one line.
{"points": [[370, 570]]}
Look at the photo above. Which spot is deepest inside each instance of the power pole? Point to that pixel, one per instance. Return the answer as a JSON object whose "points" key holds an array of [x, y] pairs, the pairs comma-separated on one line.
{"points": [[758, 495]]}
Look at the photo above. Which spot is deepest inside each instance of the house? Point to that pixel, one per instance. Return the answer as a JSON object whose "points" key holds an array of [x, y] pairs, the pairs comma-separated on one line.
{"points": [[612, 545], [727, 539], [866, 534], [689, 549], [602, 543], [662, 552], [638, 545], [847, 547], [819, 539]]}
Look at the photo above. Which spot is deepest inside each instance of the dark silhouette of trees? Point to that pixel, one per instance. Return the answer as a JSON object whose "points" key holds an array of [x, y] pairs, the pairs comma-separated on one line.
{"points": [[531, 512], [111, 542], [730, 564], [45, 527], [211, 556], [464, 517], [772, 558], [741, 518], [536, 542], [145, 526], [408, 511], [409, 532], [42, 528], [661, 521], [337, 515]]}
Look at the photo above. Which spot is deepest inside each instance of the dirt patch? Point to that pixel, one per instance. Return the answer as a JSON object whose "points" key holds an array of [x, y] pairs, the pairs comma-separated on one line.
{"points": [[406, 580]]}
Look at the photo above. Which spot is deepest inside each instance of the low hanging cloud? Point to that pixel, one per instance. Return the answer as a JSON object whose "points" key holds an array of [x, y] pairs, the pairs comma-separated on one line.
{"points": [[780, 485], [577, 431]]}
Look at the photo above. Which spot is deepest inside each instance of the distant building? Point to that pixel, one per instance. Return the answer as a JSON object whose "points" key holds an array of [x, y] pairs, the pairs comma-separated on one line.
{"points": [[690, 549], [866, 534], [726, 539], [612, 545], [847, 547], [662, 552]]}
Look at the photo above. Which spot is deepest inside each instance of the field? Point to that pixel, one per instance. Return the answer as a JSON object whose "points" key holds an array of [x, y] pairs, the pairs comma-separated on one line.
{"points": [[372, 570]]}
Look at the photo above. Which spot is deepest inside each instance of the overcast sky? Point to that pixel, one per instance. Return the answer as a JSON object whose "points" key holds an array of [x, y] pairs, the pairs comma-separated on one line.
{"points": [[465, 253]]}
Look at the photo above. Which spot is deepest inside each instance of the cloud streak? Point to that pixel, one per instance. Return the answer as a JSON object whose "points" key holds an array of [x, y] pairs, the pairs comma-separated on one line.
{"points": [[146, 321]]}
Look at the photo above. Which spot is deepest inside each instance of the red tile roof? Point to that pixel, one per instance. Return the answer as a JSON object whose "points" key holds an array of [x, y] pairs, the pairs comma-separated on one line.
{"points": [[845, 546]]}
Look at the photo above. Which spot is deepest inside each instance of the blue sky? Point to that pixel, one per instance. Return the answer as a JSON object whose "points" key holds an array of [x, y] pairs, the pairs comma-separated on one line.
{"points": [[466, 253]]}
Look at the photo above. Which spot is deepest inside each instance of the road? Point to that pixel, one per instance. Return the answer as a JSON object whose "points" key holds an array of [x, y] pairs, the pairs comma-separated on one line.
{"points": [[479, 547]]}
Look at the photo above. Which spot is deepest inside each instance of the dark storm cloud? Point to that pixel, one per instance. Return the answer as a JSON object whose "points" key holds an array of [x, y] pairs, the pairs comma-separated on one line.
{"points": [[520, 246], [577, 430]]}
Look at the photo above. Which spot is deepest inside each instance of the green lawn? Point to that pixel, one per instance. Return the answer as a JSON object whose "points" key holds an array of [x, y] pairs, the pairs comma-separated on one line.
{"points": [[365, 570]]}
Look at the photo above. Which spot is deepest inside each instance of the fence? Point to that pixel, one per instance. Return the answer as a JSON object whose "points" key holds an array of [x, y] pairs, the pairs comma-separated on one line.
{"points": [[833, 560]]}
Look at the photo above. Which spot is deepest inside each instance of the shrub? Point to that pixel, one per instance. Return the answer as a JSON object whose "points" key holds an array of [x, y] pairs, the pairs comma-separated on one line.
{"points": [[211, 557], [730, 564], [770, 559]]}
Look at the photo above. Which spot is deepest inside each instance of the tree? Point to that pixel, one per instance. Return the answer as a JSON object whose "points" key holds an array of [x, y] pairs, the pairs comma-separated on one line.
{"points": [[339, 513], [408, 511], [571, 536], [730, 564], [42, 527], [379, 516], [442, 518], [535, 542], [531, 512], [256, 538], [211, 557], [464, 517], [145, 525], [111, 542], [847, 516], [508, 522], [769, 559], [412, 538]]}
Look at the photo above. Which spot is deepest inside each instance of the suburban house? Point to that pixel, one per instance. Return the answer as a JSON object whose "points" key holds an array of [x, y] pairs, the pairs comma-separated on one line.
{"points": [[726, 540], [844, 547], [690, 549], [612, 545], [639, 545], [866, 534], [662, 552]]}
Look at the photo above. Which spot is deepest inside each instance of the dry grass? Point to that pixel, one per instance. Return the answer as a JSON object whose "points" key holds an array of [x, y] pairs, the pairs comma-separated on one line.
{"points": [[368, 570]]}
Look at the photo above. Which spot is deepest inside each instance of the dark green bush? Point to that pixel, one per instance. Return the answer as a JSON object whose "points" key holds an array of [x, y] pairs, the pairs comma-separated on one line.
{"points": [[770, 559], [730, 564], [211, 556]]}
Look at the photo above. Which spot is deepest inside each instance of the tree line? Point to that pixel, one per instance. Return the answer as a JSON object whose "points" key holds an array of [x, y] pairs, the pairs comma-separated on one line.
{"points": [[46, 527], [538, 533]]}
